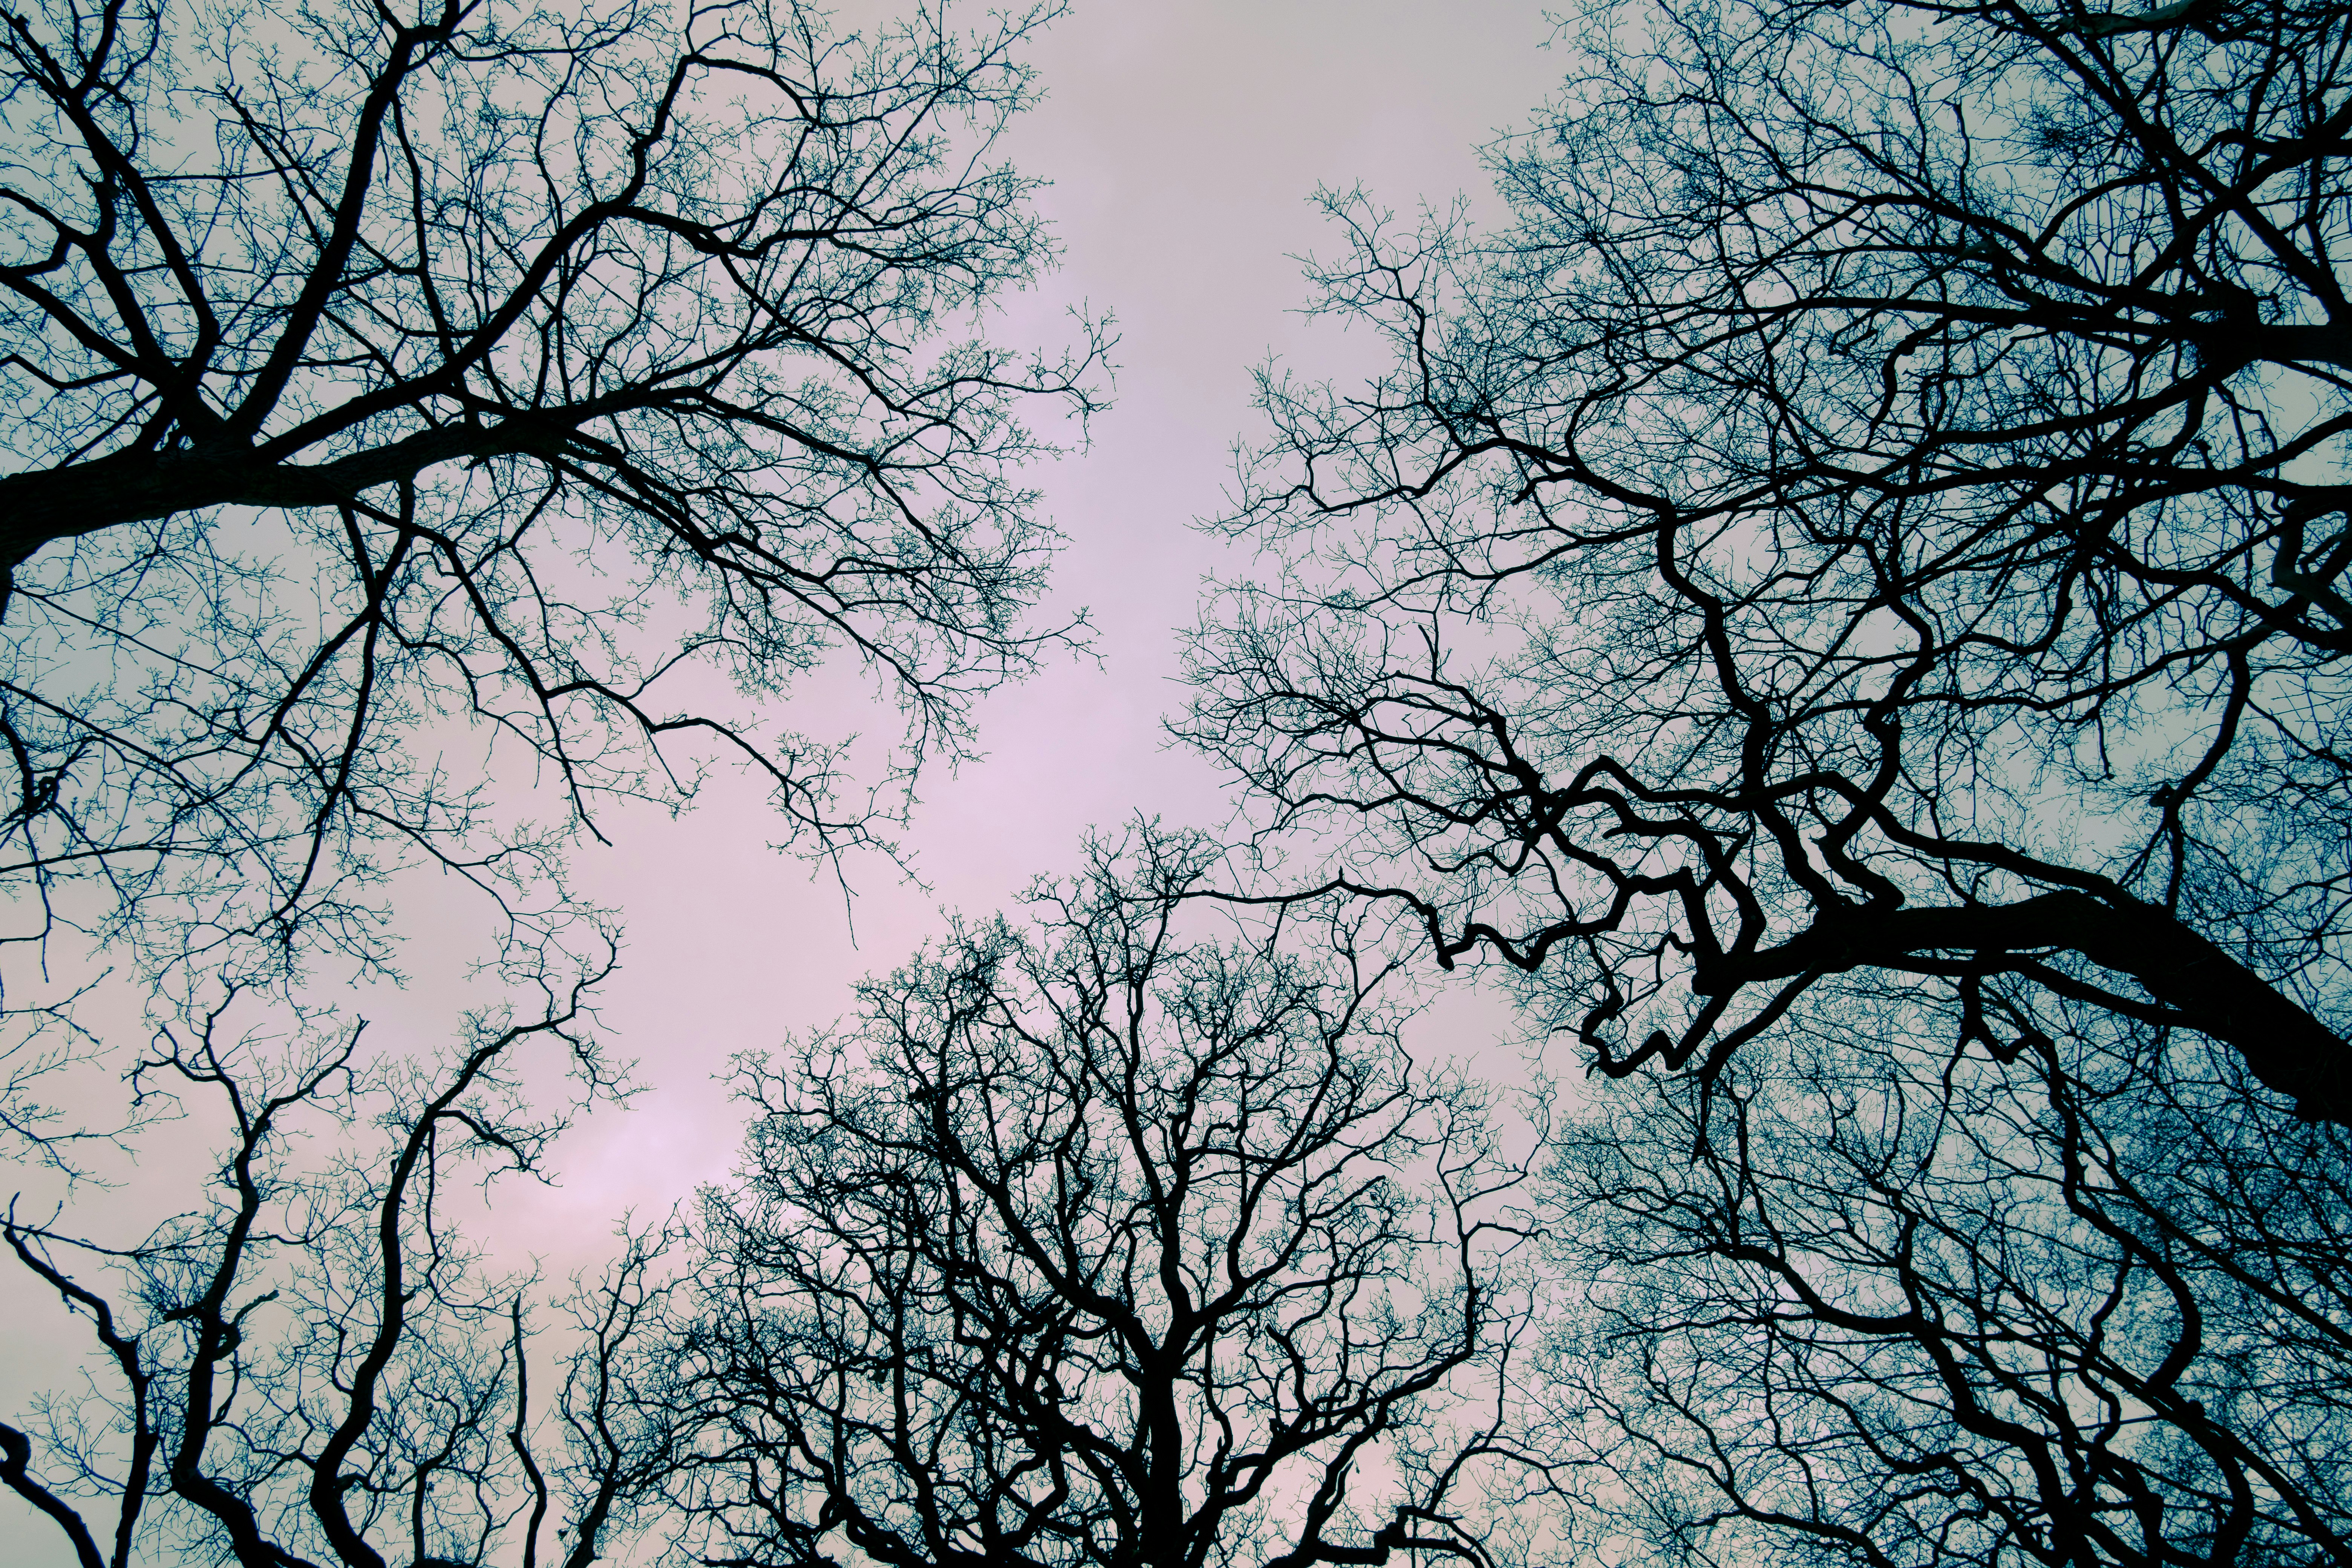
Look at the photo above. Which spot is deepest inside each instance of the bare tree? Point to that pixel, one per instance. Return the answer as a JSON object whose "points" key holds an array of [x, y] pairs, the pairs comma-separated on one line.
{"points": [[1093, 1241], [313, 1366], [399, 399], [2085, 1305], [1876, 512]]}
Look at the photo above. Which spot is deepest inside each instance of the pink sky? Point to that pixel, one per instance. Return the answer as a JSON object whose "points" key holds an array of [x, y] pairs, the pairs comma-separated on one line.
{"points": [[1183, 142]]}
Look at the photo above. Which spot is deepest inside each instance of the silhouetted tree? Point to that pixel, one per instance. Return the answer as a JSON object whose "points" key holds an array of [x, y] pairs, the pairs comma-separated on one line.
{"points": [[313, 1366], [1093, 1241], [1876, 512], [1870, 1302], [405, 404]]}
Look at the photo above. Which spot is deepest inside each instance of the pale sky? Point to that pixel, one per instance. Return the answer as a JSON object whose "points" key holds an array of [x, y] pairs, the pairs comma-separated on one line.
{"points": [[1184, 141]]}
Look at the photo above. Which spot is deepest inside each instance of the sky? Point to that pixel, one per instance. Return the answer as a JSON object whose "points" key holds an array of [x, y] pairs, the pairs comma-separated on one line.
{"points": [[1183, 143]]}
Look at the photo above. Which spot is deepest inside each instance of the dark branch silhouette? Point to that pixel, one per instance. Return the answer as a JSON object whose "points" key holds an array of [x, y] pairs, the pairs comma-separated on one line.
{"points": [[1867, 1301], [1092, 1241], [395, 399], [1878, 509], [313, 1366]]}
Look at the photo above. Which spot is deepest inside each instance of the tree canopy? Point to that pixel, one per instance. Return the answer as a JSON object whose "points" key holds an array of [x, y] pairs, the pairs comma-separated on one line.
{"points": [[1868, 1301], [1875, 509], [1839, 595], [401, 404], [1835, 602], [1095, 1240]]}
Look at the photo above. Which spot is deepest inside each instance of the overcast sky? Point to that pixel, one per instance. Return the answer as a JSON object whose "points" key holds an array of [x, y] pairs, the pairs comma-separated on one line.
{"points": [[1184, 141]]}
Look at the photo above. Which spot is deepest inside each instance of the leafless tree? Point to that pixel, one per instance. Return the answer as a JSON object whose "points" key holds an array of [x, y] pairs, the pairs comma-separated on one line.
{"points": [[403, 399], [1876, 512], [2087, 1305], [313, 1366], [1093, 1241]]}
